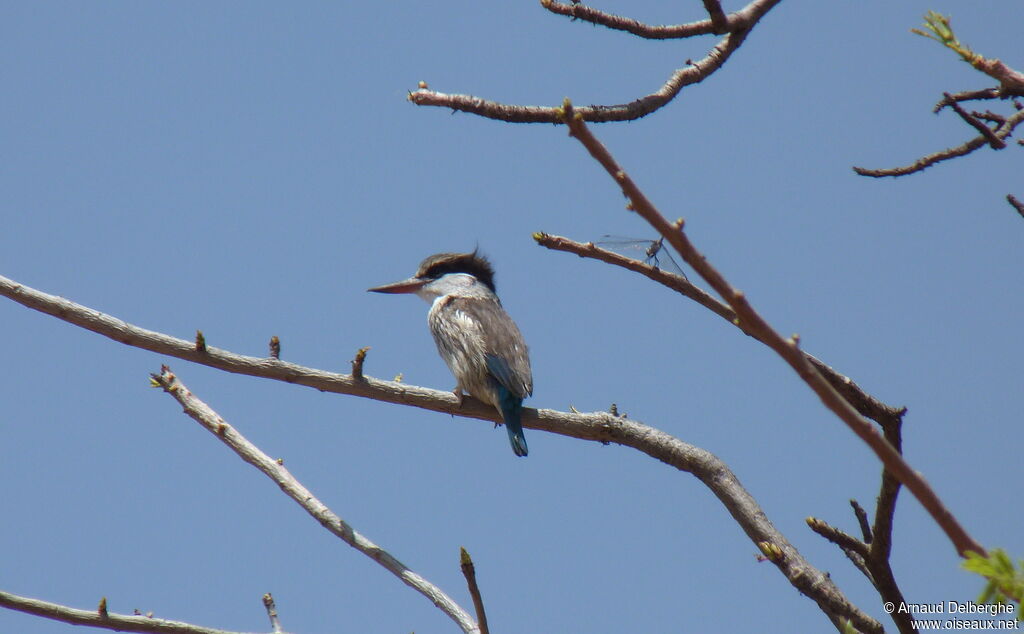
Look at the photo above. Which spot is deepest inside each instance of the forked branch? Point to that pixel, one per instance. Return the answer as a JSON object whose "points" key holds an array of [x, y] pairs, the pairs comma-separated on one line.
{"points": [[751, 321], [994, 129], [999, 133], [865, 403], [275, 470], [719, 22], [736, 26]]}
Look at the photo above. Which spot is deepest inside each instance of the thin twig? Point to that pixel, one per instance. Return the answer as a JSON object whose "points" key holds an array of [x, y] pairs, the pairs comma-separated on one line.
{"points": [[862, 520], [990, 116], [837, 537], [967, 95], [469, 572], [357, 362], [1016, 204], [273, 469], [855, 550], [268, 603], [599, 427], [108, 620], [675, 282], [995, 142], [275, 347], [788, 349], [865, 403]]}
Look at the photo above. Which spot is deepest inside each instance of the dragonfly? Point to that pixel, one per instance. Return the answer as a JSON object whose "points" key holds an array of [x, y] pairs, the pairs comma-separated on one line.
{"points": [[649, 252]]}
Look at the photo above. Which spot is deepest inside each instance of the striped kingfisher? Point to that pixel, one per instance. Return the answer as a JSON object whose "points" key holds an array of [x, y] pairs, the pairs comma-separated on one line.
{"points": [[477, 339]]}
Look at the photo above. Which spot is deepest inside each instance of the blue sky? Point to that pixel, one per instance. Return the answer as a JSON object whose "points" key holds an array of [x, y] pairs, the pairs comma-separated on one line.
{"points": [[250, 168]]}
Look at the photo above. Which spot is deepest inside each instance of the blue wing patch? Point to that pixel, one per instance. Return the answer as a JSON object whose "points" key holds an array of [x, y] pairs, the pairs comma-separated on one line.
{"points": [[509, 402], [502, 371]]}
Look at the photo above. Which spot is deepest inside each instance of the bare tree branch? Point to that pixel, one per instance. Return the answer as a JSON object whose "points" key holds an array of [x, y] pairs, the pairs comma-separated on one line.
{"points": [[105, 619], [967, 95], [839, 538], [1011, 84], [691, 74], [872, 556], [589, 14], [599, 427], [889, 591], [878, 573], [872, 562], [1000, 132], [878, 559], [739, 25], [865, 403], [788, 349], [275, 470], [879, 535], [854, 549]]}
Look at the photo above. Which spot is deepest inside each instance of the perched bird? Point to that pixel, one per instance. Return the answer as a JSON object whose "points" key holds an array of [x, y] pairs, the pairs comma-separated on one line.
{"points": [[474, 335]]}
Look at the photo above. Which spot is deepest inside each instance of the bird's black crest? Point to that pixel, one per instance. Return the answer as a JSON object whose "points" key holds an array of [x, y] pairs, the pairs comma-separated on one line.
{"points": [[471, 263]]}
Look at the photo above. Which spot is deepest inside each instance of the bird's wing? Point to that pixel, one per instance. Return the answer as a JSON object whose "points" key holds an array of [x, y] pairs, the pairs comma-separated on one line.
{"points": [[507, 356]]}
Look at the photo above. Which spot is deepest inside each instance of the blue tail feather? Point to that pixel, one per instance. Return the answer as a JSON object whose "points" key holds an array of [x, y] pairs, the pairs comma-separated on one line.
{"points": [[511, 407]]}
